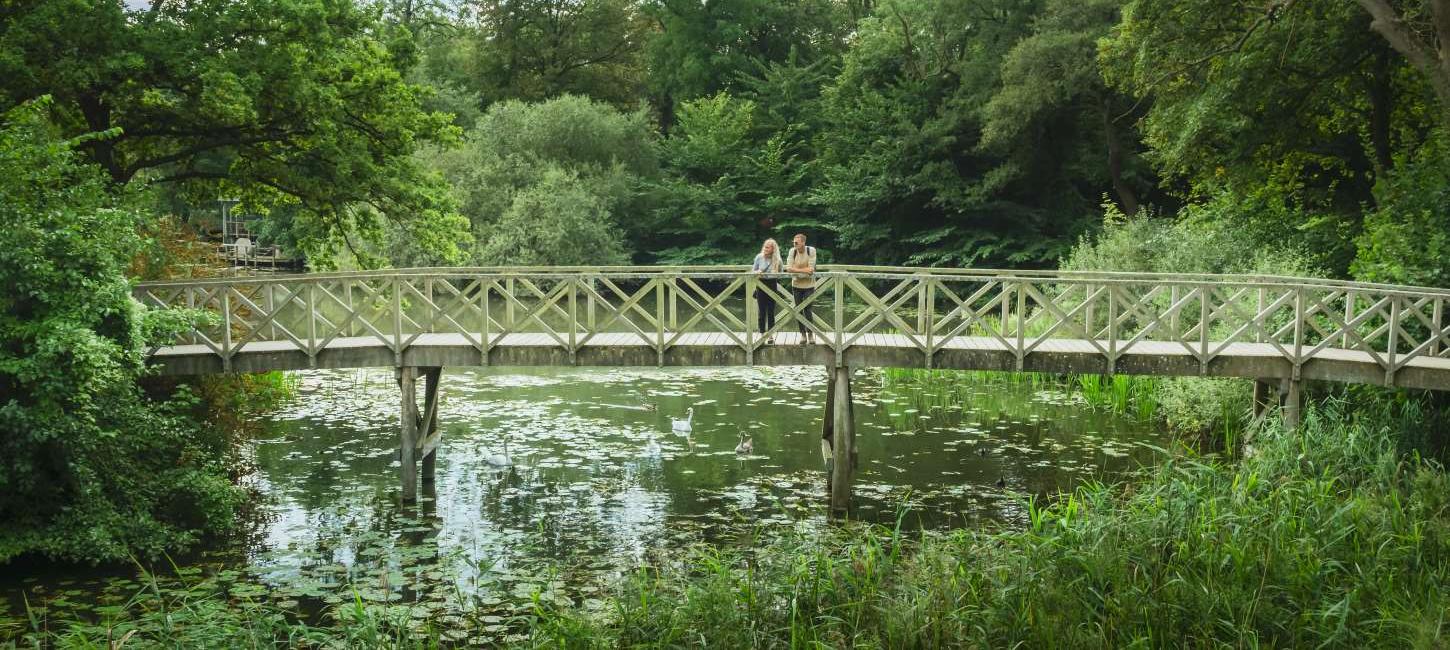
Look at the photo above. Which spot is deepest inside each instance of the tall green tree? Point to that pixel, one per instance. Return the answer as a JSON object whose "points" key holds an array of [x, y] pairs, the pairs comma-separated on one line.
{"points": [[906, 175], [533, 50], [291, 104], [516, 148], [702, 48], [727, 185], [1297, 103], [1053, 108], [1419, 30]]}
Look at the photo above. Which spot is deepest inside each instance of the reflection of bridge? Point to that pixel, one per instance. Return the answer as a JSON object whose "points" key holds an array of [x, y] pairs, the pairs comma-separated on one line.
{"points": [[419, 320]]}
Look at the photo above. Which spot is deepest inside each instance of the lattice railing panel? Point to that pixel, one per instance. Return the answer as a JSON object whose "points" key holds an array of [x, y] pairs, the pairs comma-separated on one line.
{"points": [[926, 310]]}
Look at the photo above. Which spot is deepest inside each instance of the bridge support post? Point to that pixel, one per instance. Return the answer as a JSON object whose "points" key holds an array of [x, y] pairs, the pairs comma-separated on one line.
{"points": [[841, 439], [429, 438], [408, 385], [1292, 404], [1261, 397], [828, 428]]}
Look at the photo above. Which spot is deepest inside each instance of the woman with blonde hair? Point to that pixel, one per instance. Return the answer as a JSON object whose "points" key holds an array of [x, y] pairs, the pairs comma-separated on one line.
{"points": [[767, 264]]}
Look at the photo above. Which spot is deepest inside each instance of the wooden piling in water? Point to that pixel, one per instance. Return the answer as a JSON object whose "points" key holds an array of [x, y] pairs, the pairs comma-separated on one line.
{"points": [[429, 437], [828, 428], [843, 441], [408, 386]]}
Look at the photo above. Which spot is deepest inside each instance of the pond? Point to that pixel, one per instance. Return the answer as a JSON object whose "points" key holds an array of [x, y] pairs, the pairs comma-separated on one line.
{"points": [[596, 482]]}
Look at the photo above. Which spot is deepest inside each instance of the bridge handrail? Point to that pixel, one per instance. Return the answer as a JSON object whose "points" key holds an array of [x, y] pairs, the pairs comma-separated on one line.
{"points": [[824, 270]]}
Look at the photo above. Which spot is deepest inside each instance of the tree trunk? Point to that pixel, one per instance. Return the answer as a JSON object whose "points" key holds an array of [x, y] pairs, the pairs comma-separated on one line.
{"points": [[1381, 106], [1127, 199], [1425, 56], [102, 151]]}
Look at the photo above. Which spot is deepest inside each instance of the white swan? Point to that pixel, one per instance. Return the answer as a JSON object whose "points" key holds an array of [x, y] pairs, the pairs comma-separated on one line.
{"points": [[500, 460], [683, 426], [746, 445]]}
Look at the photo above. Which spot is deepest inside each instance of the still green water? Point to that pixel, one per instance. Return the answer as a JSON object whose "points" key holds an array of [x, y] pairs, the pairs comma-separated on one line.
{"points": [[597, 483]]}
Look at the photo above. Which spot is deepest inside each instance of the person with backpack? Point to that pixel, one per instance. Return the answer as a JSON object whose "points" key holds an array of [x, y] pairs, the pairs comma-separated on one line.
{"points": [[801, 264]]}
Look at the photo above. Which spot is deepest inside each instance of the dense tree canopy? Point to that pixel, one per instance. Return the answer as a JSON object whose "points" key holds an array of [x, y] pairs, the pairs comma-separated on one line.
{"points": [[953, 132], [286, 103], [1303, 105], [537, 49]]}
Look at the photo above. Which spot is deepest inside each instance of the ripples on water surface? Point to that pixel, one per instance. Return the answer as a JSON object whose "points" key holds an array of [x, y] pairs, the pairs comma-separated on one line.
{"points": [[599, 483]]}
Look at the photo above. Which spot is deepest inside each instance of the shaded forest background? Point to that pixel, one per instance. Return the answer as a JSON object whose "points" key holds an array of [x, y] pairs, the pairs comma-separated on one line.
{"points": [[958, 132]]}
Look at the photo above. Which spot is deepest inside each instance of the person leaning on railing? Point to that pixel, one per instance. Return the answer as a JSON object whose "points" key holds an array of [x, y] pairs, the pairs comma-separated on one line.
{"points": [[801, 263], [767, 262]]}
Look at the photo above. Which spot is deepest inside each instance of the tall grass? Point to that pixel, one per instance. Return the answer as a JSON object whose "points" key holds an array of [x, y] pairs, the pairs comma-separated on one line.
{"points": [[1120, 394], [1209, 413], [1127, 395], [1325, 538]]}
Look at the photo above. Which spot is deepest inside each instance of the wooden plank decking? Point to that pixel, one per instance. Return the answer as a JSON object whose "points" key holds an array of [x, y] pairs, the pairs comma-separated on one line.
{"points": [[1250, 360]]}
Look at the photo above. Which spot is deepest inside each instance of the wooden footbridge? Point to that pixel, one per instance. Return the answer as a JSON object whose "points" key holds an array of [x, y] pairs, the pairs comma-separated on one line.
{"points": [[1276, 330]]}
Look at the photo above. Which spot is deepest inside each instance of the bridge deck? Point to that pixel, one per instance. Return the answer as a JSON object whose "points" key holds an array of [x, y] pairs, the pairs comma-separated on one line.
{"points": [[1250, 360]]}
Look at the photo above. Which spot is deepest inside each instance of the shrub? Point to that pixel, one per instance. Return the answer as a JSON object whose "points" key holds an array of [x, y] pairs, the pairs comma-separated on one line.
{"points": [[1406, 238], [93, 471]]}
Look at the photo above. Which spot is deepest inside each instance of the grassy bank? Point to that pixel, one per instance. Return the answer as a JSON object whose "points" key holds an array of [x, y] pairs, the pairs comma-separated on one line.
{"points": [[1330, 537]]}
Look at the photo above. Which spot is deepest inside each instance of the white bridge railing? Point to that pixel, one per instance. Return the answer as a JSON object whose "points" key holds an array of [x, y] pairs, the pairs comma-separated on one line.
{"points": [[1021, 312]]}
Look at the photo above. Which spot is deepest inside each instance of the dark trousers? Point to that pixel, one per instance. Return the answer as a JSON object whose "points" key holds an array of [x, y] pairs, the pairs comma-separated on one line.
{"points": [[800, 296], [765, 307]]}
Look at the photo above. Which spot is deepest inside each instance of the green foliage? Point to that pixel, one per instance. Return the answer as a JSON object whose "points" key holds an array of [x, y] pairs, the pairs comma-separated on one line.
{"points": [[1296, 104], [518, 153], [295, 106], [234, 400], [1206, 238], [1209, 237], [727, 186], [93, 471], [905, 177], [1324, 538], [1407, 237], [556, 221], [1193, 405], [538, 50], [701, 49], [1053, 104]]}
